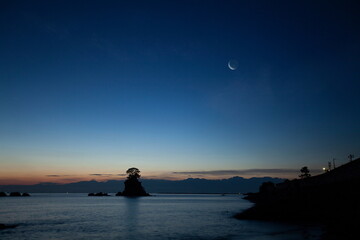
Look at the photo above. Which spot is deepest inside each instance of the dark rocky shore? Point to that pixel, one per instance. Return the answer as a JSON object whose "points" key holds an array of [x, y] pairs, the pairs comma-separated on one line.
{"points": [[332, 199]]}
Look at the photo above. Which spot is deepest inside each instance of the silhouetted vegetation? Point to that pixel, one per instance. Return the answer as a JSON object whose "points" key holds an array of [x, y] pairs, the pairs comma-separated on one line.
{"points": [[265, 191], [133, 186], [133, 173], [305, 172], [332, 198], [267, 188]]}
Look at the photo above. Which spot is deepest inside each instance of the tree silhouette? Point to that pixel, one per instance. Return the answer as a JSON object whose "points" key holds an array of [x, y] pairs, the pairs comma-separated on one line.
{"points": [[133, 173], [132, 184], [305, 172]]}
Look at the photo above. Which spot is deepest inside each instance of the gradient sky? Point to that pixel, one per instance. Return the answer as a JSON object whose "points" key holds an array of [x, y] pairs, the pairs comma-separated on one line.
{"points": [[91, 88]]}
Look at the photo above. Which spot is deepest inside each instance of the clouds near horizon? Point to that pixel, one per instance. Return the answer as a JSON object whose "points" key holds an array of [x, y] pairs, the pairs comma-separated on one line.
{"points": [[247, 172], [87, 91]]}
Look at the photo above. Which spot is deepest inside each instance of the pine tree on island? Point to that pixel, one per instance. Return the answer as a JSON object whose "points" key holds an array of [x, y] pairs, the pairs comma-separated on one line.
{"points": [[133, 186]]}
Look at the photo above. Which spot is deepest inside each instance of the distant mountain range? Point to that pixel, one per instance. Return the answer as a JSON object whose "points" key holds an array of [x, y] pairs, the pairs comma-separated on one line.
{"points": [[190, 185]]}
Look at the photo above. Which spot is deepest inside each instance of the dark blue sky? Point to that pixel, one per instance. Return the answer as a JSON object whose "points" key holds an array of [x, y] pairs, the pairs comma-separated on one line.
{"points": [[105, 85]]}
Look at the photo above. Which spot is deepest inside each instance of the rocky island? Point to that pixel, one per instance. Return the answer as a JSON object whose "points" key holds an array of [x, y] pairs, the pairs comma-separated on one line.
{"points": [[14, 194], [6, 226], [99, 194], [133, 187]]}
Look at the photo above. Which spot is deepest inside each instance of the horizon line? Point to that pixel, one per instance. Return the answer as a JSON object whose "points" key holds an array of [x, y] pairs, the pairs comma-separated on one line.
{"points": [[162, 179]]}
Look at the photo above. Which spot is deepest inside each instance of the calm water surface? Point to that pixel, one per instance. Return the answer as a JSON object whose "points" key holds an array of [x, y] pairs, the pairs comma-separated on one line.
{"points": [[162, 216]]}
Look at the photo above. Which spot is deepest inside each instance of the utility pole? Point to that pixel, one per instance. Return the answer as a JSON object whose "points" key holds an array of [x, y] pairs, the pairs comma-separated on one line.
{"points": [[351, 156], [334, 166], [329, 165]]}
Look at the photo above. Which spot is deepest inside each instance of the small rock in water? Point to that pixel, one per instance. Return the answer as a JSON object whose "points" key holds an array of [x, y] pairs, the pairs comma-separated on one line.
{"points": [[5, 226], [15, 194], [99, 194]]}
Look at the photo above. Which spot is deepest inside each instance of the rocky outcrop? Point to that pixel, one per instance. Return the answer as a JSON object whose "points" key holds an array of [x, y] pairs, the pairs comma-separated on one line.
{"points": [[6, 226], [99, 194], [15, 194], [133, 188]]}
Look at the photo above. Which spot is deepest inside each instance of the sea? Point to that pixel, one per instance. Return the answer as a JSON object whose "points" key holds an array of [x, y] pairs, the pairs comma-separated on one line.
{"points": [[158, 217]]}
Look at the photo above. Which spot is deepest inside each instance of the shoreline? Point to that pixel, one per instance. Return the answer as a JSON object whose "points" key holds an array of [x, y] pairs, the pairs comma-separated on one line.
{"points": [[331, 199]]}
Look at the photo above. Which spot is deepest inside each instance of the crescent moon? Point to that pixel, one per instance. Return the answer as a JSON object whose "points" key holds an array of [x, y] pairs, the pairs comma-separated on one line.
{"points": [[233, 65]]}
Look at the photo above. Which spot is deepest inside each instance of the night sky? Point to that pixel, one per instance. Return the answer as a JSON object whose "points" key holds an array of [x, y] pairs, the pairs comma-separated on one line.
{"points": [[91, 88]]}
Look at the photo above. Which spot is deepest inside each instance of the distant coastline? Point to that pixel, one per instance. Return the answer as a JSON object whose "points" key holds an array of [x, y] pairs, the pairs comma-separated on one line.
{"points": [[186, 186], [332, 198]]}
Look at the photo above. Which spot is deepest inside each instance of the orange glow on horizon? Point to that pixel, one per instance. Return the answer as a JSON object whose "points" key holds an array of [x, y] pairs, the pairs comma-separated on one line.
{"points": [[19, 179]]}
